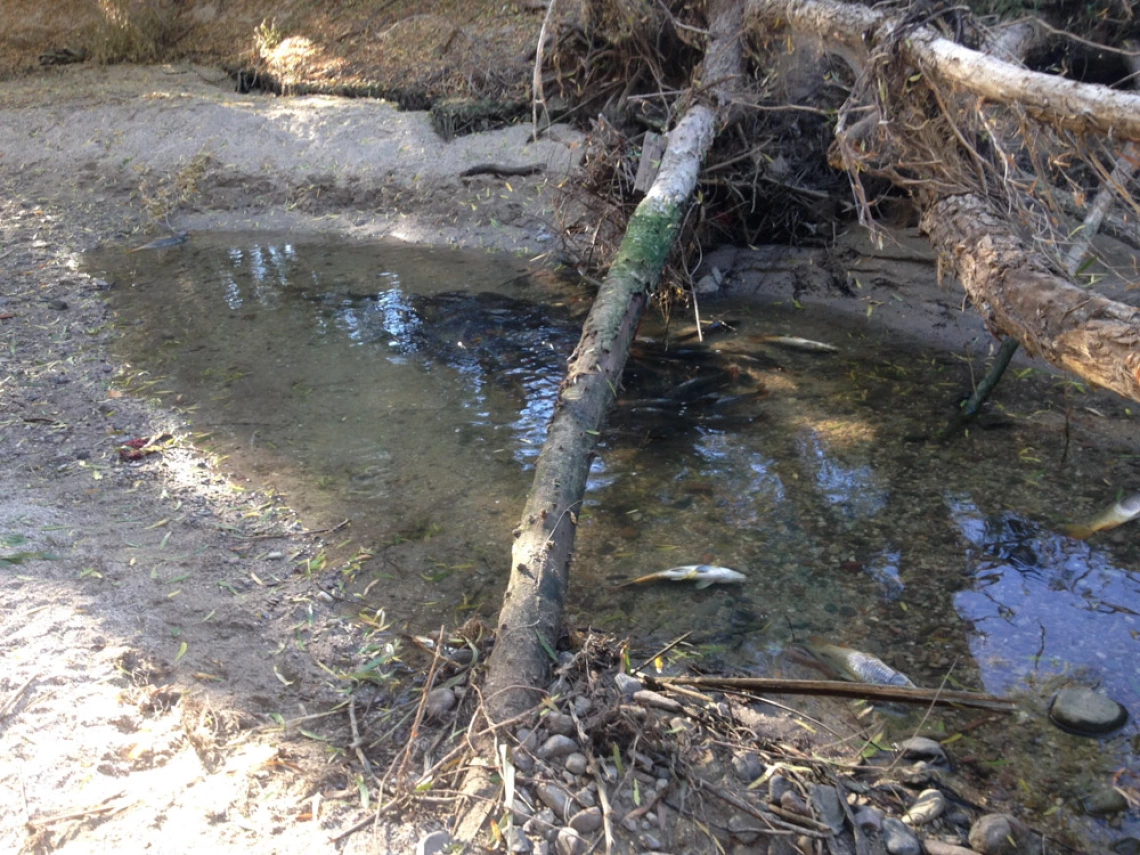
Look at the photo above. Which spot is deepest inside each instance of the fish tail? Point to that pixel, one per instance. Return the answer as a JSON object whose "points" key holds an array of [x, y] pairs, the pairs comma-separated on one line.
{"points": [[1078, 531], [651, 577]]}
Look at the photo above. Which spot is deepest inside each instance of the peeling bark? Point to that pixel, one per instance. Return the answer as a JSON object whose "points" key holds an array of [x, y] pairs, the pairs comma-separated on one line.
{"points": [[1093, 337]]}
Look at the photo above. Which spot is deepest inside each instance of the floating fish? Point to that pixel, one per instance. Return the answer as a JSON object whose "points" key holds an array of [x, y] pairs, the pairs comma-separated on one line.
{"points": [[162, 243], [855, 665], [1117, 514], [704, 574], [796, 343]]}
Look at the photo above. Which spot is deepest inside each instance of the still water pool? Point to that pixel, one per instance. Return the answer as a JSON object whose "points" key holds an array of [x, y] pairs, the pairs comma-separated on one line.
{"points": [[407, 389]]}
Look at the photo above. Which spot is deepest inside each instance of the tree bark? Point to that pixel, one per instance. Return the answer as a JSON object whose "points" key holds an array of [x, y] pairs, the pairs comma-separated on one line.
{"points": [[1081, 107], [1095, 338]]}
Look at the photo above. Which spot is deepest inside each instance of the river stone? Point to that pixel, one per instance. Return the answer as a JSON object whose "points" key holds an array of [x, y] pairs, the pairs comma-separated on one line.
{"points": [[921, 748], [523, 760], [869, 818], [433, 843], [898, 838], [1104, 802], [439, 702], [1126, 846], [558, 722], [554, 797], [744, 828], [569, 842], [576, 763], [777, 786], [934, 846], [586, 821], [997, 834], [1086, 713], [557, 746], [747, 766], [828, 810], [517, 842], [627, 685], [929, 805], [656, 700]]}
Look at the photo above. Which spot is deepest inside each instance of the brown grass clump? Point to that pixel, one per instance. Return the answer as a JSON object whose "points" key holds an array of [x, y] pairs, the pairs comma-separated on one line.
{"points": [[140, 31]]}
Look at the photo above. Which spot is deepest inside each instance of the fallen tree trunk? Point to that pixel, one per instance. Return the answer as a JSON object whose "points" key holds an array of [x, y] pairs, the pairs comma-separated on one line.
{"points": [[1081, 107], [1095, 338]]}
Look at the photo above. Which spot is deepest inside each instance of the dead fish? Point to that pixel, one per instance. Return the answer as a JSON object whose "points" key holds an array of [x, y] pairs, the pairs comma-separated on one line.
{"points": [[1118, 514], [793, 342], [703, 574], [162, 243], [855, 665]]}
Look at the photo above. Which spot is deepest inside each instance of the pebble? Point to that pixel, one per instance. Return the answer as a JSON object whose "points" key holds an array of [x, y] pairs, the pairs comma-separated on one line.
{"points": [[582, 705], [744, 828], [1104, 802], [439, 702], [627, 685], [557, 746], [777, 786], [828, 810], [274, 556], [569, 842], [791, 800], [898, 838], [747, 766], [560, 723], [996, 834], [554, 797], [929, 805], [433, 843], [650, 842], [523, 760], [576, 763], [921, 748], [585, 797], [541, 824], [1086, 713], [58, 305], [527, 738], [933, 846], [517, 842], [586, 821], [869, 819]]}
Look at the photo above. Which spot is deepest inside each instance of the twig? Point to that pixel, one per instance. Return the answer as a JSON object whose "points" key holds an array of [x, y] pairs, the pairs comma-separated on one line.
{"points": [[837, 688], [356, 740], [604, 799], [420, 709], [664, 650], [15, 696], [83, 813]]}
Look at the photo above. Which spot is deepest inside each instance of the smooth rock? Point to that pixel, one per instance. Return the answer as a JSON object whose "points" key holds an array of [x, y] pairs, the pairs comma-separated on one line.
{"points": [[554, 797], [825, 803], [527, 738], [561, 723], [541, 824], [777, 786], [997, 834], [869, 818], [1086, 713], [1104, 802], [576, 763], [791, 800], [557, 746], [569, 842], [934, 846], [439, 703], [929, 805], [744, 828], [921, 748], [585, 797], [747, 766], [627, 685], [582, 705], [586, 821], [433, 843], [650, 842], [1126, 846], [523, 760], [899, 839], [517, 842]]}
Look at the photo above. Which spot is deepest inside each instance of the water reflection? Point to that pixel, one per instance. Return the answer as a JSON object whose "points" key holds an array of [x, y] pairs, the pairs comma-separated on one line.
{"points": [[1042, 604]]}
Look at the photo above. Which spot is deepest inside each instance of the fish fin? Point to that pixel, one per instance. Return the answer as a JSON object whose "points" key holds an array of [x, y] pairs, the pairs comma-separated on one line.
{"points": [[1078, 531], [704, 583]]}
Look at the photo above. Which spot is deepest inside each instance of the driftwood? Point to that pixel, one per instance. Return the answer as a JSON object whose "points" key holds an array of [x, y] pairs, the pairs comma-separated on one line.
{"points": [[841, 689]]}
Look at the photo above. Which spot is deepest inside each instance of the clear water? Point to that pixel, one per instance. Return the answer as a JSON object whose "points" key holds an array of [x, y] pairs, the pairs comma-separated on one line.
{"points": [[408, 389]]}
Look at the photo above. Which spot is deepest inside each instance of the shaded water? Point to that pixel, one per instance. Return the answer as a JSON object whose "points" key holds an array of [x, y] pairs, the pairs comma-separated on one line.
{"points": [[408, 389]]}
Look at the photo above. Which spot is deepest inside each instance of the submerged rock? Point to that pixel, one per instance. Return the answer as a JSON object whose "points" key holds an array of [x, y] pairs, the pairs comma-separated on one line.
{"points": [[1086, 713], [1001, 834], [921, 748], [899, 839], [1104, 802]]}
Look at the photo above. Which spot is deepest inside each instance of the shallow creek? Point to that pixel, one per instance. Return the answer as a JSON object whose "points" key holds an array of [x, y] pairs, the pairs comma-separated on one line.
{"points": [[407, 390]]}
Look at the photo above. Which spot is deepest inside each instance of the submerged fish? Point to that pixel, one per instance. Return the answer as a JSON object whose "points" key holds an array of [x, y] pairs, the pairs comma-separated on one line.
{"points": [[796, 343], [162, 243], [704, 574], [855, 665], [1117, 514]]}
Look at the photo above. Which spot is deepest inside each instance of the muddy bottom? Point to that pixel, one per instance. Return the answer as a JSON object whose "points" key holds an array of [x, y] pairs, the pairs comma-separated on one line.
{"points": [[407, 390]]}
